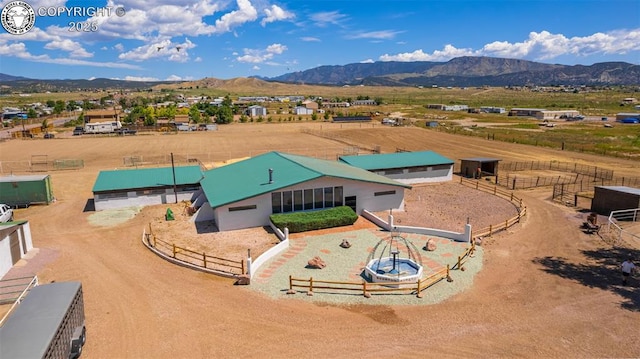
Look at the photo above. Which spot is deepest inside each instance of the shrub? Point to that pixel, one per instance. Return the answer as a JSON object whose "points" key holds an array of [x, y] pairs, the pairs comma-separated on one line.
{"points": [[308, 221]]}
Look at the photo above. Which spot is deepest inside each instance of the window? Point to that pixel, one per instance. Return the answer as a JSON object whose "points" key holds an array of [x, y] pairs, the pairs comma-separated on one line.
{"points": [[328, 197], [297, 200], [242, 208], [308, 199], [276, 202], [337, 196], [317, 194], [287, 201], [384, 193], [417, 169], [394, 172]]}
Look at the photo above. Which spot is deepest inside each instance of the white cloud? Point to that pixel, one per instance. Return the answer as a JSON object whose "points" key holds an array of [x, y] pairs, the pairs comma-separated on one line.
{"points": [[378, 35], [310, 39], [276, 13], [197, 59], [255, 67], [326, 18], [174, 78], [72, 47], [119, 47], [367, 61], [19, 50], [245, 13], [258, 56], [538, 46], [140, 78], [177, 52]]}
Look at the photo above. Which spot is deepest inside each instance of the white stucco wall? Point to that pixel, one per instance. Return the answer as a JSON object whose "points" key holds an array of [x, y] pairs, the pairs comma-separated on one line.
{"points": [[19, 232], [432, 174], [133, 199], [365, 199]]}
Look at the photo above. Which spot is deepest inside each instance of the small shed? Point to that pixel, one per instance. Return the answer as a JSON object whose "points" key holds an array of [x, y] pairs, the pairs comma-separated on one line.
{"points": [[18, 191], [614, 198], [476, 167], [146, 186]]}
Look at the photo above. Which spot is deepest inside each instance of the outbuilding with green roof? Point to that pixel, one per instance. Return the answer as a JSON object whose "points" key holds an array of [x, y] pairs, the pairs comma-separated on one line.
{"points": [[244, 194], [406, 167], [145, 186]]}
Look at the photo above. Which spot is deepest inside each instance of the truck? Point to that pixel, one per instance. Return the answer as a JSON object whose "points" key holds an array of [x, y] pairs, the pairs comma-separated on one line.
{"points": [[102, 127], [48, 323]]}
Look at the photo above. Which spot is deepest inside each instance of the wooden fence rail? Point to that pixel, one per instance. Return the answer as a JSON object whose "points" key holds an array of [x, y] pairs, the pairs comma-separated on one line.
{"points": [[517, 202], [201, 259], [367, 288]]}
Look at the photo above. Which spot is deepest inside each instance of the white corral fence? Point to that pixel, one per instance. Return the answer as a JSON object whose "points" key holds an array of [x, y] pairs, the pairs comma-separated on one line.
{"points": [[623, 224]]}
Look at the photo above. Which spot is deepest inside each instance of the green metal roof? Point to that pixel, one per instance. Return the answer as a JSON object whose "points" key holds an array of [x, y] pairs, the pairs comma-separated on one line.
{"points": [[250, 178], [146, 178], [396, 160]]}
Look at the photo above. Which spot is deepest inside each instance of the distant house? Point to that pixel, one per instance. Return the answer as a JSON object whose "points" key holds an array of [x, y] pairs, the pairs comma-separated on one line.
{"points": [[94, 116], [310, 104], [406, 167], [256, 110], [352, 119], [146, 186], [491, 109], [624, 115], [244, 194]]}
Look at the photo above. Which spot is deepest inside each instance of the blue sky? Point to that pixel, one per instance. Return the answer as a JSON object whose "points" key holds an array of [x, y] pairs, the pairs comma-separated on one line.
{"points": [[193, 39]]}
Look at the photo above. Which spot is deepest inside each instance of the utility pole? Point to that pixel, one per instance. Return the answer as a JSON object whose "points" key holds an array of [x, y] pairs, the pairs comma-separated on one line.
{"points": [[173, 169]]}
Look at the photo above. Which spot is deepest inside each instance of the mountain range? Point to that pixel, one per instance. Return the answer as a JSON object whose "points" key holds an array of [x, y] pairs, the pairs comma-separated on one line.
{"points": [[467, 71], [461, 71]]}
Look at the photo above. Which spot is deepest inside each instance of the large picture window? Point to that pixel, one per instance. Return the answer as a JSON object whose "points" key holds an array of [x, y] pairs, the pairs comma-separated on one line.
{"points": [[306, 199]]}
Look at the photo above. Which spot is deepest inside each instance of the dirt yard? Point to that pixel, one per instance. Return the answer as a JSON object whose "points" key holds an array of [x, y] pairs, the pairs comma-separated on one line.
{"points": [[546, 289]]}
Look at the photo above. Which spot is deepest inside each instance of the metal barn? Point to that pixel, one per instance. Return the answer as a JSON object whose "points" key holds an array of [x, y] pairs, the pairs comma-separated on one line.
{"points": [[614, 198]]}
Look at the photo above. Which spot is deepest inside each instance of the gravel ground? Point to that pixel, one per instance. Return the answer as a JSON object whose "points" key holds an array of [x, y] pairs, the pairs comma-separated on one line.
{"points": [[348, 264]]}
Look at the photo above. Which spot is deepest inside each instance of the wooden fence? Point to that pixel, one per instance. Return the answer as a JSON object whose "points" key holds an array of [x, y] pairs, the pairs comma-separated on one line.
{"points": [[367, 288], [493, 189], [198, 259]]}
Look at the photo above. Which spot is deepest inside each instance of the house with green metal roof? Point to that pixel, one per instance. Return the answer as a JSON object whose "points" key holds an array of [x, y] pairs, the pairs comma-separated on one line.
{"points": [[406, 167], [145, 186], [244, 194]]}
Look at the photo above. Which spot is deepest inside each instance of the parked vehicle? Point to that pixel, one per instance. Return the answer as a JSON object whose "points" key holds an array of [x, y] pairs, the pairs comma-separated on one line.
{"points": [[6, 213], [49, 135], [102, 127], [49, 323], [79, 130]]}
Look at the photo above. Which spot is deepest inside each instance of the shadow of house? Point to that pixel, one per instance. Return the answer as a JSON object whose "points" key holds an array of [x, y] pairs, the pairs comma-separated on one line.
{"points": [[600, 270]]}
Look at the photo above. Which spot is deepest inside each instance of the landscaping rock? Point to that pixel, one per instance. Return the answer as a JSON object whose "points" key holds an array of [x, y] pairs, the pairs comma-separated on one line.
{"points": [[431, 245], [243, 279], [316, 262], [478, 241], [345, 244]]}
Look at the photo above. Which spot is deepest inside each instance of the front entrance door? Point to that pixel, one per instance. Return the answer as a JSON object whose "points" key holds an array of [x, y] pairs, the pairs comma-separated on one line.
{"points": [[351, 202]]}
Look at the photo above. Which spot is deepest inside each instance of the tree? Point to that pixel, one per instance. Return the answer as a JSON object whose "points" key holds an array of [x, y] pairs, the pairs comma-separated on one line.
{"points": [[243, 118], [314, 116], [326, 116], [45, 125], [58, 107], [225, 115], [32, 113], [194, 114], [51, 103]]}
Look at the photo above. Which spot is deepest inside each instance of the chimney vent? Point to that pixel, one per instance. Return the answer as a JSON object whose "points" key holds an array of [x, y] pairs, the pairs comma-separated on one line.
{"points": [[270, 175]]}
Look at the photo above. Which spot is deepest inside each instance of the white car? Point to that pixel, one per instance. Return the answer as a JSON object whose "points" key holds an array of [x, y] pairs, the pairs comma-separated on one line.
{"points": [[6, 213]]}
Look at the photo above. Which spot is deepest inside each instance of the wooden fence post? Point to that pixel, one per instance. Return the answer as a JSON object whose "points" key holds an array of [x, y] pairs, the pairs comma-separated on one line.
{"points": [[174, 250], [290, 282], [490, 230], [506, 223], [204, 259], [449, 279], [311, 285], [419, 294], [460, 264]]}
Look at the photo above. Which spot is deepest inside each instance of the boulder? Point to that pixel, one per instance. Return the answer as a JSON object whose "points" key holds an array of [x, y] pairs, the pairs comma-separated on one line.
{"points": [[316, 262], [478, 241], [431, 245], [243, 279], [345, 244]]}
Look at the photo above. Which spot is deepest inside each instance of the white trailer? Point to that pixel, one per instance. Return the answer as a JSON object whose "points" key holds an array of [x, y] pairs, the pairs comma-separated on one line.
{"points": [[102, 127], [49, 323]]}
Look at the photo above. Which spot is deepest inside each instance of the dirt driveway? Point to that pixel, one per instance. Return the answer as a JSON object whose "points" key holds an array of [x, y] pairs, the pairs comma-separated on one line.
{"points": [[547, 290]]}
